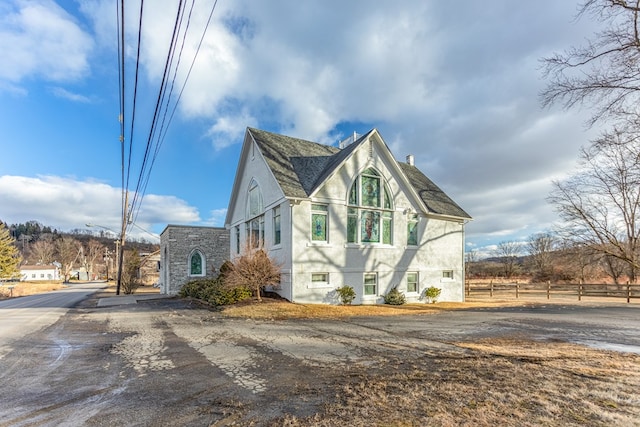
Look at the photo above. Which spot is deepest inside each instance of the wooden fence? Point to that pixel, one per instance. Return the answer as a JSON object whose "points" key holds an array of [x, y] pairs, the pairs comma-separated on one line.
{"points": [[549, 290]]}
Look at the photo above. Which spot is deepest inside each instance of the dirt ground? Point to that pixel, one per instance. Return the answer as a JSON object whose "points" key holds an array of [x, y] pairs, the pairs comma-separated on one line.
{"points": [[176, 362]]}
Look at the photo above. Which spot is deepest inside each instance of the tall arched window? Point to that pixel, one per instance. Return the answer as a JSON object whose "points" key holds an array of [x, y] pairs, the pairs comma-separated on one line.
{"points": [[370, 210], [254, 215], [196, 264]]}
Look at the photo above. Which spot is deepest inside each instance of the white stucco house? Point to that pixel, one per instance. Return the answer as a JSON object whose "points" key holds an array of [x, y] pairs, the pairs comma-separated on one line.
{"points": [[36, 273], [345, 216]]}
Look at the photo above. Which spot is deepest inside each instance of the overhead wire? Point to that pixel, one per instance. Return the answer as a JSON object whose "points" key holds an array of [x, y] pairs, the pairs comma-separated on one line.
{"points": [[160, 135]]}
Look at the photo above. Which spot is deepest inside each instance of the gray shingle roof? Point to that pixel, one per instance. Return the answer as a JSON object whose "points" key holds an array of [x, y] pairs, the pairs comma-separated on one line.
{"points": [[301, 166], [432, 196]]}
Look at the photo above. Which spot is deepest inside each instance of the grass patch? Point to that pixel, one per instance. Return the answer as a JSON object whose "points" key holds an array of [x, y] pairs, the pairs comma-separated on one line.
{"points": [[21, 289], [279, 309]]}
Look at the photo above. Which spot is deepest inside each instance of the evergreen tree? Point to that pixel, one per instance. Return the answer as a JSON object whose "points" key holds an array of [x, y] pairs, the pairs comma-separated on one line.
{"points": [[9, 256]]}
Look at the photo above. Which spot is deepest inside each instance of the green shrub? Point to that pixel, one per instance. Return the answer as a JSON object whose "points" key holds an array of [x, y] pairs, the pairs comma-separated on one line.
{"points": [[346, 294], [432, 293], [394, 297], [214, 292]]}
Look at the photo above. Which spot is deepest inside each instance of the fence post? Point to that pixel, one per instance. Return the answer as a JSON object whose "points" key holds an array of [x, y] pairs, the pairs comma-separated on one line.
{"points": [[491, 288], [628, 292], [580, 291], [548, 289]]}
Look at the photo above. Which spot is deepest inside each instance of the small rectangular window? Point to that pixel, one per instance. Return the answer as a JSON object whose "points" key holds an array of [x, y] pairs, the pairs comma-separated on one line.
{"points": [[319, 223], [320, 277], [447, 274], [352, 225], [276, 225], [412, 282], [387, 221], [42, 275], [370, 284], [412, 229]]}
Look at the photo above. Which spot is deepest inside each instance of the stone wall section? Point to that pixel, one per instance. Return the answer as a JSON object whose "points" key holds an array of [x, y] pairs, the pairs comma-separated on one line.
{"points": [[178, 242]]}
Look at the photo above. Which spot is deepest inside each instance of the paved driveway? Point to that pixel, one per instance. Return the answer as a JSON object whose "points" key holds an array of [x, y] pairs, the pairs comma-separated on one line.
{"points": [[165, 362]]}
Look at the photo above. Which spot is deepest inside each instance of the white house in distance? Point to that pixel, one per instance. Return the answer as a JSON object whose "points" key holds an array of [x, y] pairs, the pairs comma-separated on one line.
{"points": [[36, 273], [345, 216]]}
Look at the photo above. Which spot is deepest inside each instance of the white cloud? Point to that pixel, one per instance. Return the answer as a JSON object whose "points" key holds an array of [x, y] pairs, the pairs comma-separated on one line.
{"points": [[68, 203], [39, 38], [65, 94], [454, 84]]}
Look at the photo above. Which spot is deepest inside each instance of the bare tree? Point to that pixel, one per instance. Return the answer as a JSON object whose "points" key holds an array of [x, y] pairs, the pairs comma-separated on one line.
{"points": [[131, 272], [42, 252], [93, 252], [600, 203], [508, 253], [605, 71], [540, 248], [67, 253]]}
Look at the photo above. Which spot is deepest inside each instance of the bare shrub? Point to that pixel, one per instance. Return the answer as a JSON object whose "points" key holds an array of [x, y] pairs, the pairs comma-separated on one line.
{"points": [[254, 269]]}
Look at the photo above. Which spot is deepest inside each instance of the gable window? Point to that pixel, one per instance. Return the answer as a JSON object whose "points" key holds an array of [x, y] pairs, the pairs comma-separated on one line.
{"points": [[370, 284], [369, 214], [412, 229], [412, 281], [276, 225], [319, 223], [196, 264]]}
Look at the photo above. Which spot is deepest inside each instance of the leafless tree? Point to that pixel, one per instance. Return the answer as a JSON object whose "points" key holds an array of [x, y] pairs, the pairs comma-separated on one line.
{"points": [[253, 269], [600, 203], [508, 253], [67, 253], [614, 267], [42, 252], [540, 247], [605, 72], [93, 252]]}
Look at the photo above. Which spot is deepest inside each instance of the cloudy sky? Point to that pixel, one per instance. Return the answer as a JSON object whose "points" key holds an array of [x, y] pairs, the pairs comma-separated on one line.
{"points": [[454, 83]]}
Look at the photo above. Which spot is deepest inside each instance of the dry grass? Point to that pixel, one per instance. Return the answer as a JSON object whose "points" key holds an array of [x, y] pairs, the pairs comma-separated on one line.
{"points": [[21, 289], [278, 309], [488, 383]]}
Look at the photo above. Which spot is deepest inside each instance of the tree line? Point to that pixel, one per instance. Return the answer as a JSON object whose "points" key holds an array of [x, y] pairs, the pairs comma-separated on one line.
{"points": [[32, 243], [548, 256]]}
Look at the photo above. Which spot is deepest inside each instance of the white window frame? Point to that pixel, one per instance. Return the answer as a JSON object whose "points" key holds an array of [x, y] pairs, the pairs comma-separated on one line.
{"points": [[364, 285], [319, 280], [417, 282], [319, 209], [447, 275], [277, 226]]}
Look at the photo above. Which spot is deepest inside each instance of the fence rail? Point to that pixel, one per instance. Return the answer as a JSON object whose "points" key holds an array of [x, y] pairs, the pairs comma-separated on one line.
{"points": [[577, 290]]}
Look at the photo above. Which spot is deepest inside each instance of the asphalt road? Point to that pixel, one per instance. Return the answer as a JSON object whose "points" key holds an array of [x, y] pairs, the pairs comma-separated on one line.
{"points": [[22, 316], [166, 362]]}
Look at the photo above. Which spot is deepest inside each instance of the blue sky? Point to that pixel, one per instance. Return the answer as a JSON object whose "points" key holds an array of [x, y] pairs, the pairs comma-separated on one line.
{"points": [[454, 83]]}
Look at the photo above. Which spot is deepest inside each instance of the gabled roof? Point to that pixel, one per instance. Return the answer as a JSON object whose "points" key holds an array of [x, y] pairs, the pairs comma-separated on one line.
{"points": [[431, 195], [301, 166]]}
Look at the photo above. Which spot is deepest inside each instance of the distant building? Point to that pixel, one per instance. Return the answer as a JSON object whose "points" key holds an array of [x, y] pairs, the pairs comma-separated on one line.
{"points": [[190, 252], [35, 273]]}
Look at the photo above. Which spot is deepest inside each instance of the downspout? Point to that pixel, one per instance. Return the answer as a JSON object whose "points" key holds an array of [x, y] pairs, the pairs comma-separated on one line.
{"points": [[464, 261], [291, 203]]}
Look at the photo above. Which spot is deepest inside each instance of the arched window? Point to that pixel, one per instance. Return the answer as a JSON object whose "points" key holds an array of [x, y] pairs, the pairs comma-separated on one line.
{"points": [[254, 202], [196, 264], [370, 210]]}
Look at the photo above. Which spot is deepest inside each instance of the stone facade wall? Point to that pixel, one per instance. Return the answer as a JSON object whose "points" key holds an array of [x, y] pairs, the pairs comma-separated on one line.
{"points": [[178, 242]]}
